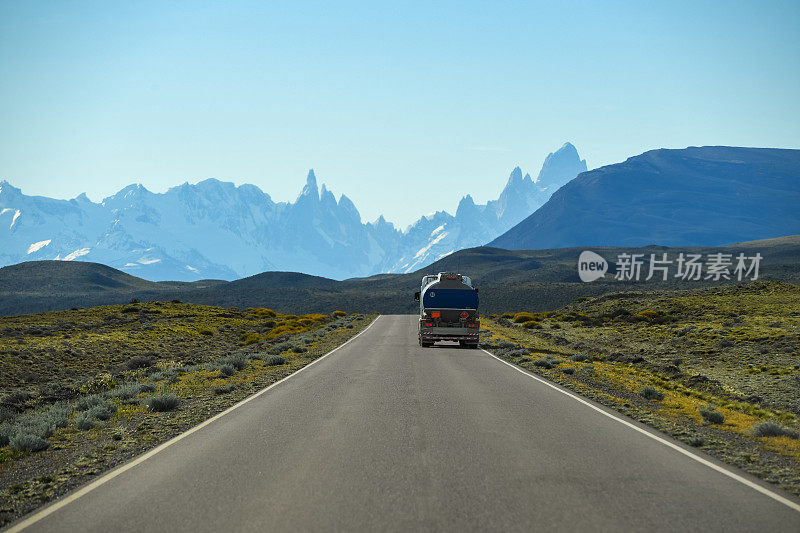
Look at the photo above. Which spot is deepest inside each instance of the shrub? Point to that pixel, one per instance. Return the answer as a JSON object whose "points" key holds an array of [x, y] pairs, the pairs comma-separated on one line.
{"points": [[206, 331], [250, 338], [165, 401], [299, 349], [523, 317], [531, 324], [274, 360], [42, 424], [772, 429], [548, 362], [696, 441], [223, 389], [87, 402], [129, 391], [338, 314], [711, 416], [25, 442], [101, 412], [568, 370], [237, 360], [279, 348], [7, 414], [650, 393], [16, 398], [84, 421], [6, 432], [58, 414], [647, 314], [138, 361], [580, 358], [227, 369], [507, 315]]}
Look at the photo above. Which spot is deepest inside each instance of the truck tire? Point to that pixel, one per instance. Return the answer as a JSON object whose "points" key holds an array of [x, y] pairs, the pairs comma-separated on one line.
{"points": [[426, 344]]}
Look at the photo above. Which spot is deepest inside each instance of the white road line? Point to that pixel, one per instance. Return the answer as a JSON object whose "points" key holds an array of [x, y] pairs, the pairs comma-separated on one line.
{"points": [[687, 453], [127, 466]]}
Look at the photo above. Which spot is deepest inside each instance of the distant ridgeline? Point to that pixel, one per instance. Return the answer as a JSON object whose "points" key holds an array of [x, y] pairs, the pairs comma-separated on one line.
{"points": [[217, 230], [509, 280]]}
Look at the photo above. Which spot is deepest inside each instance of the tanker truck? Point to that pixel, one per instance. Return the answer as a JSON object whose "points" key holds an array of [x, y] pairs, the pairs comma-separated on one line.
{"points": [[448, 310]]}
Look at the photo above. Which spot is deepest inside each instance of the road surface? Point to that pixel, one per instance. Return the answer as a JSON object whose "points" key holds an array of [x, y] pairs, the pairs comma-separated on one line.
{"points": [[383, 435]]}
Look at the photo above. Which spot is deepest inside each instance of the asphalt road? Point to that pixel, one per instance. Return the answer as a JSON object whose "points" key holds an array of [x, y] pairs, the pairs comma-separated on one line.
{"points": [[383, 435]]}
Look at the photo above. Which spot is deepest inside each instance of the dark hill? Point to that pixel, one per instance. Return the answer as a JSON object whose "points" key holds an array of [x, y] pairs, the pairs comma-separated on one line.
{"points": [[707, 196], [509, 280]]}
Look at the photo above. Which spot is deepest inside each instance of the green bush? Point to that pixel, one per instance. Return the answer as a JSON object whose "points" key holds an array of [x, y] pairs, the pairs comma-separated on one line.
{"points": [[250, 338], [523, 317], [6, 432], [101, 412], [165, 401], [236, 360], [531, 324], [90, 401], [274, 360], [223, 389], [580, 358], [227, 369], [338, 314], [711, 416], [84, 421], [650, 393], [7, 414], [25, 442], [129, 391], [772, 429], [548, 362]]}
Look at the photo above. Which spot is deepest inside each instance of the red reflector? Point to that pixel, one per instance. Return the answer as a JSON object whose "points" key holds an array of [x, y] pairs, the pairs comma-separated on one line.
{"points": [[464, 314], [436, 314]]}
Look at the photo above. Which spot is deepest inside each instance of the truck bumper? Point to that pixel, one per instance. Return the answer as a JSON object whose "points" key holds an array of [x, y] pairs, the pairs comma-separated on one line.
{"points": [[448, 334]]}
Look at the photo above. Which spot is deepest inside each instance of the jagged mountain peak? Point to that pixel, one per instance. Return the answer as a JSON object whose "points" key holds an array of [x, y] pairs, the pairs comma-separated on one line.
{"points": [[560, 166], [515, 176], [7, 189]]}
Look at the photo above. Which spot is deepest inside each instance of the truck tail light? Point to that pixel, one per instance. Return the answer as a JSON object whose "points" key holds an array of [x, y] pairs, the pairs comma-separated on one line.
{"points": [[436, 314]]}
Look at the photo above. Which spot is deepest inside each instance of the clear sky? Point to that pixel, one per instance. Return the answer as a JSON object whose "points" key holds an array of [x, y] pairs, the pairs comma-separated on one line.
{"points": [[383, 100]]}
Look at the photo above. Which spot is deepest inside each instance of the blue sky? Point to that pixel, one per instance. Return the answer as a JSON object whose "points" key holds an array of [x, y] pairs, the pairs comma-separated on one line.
{"points": [[404, 107]]}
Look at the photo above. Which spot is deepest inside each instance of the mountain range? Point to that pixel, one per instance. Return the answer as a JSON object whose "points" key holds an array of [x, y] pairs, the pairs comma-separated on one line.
{"points": [[216, 229], [697, 196], [509, 280]]}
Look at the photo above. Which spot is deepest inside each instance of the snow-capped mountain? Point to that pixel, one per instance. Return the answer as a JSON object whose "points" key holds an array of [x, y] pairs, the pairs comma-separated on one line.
{"points": [[439, 234], [215, 229]]}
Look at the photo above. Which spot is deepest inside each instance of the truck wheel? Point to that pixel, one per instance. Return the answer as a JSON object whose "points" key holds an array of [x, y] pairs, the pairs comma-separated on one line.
{"points": [[427, 344]]}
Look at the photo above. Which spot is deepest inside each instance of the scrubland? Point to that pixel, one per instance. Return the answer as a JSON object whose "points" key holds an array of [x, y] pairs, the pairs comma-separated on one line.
{"points": [[83, 390]]}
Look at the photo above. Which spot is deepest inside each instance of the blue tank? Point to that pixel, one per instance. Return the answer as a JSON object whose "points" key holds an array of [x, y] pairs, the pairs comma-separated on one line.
{"points": [[448, 310]]}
